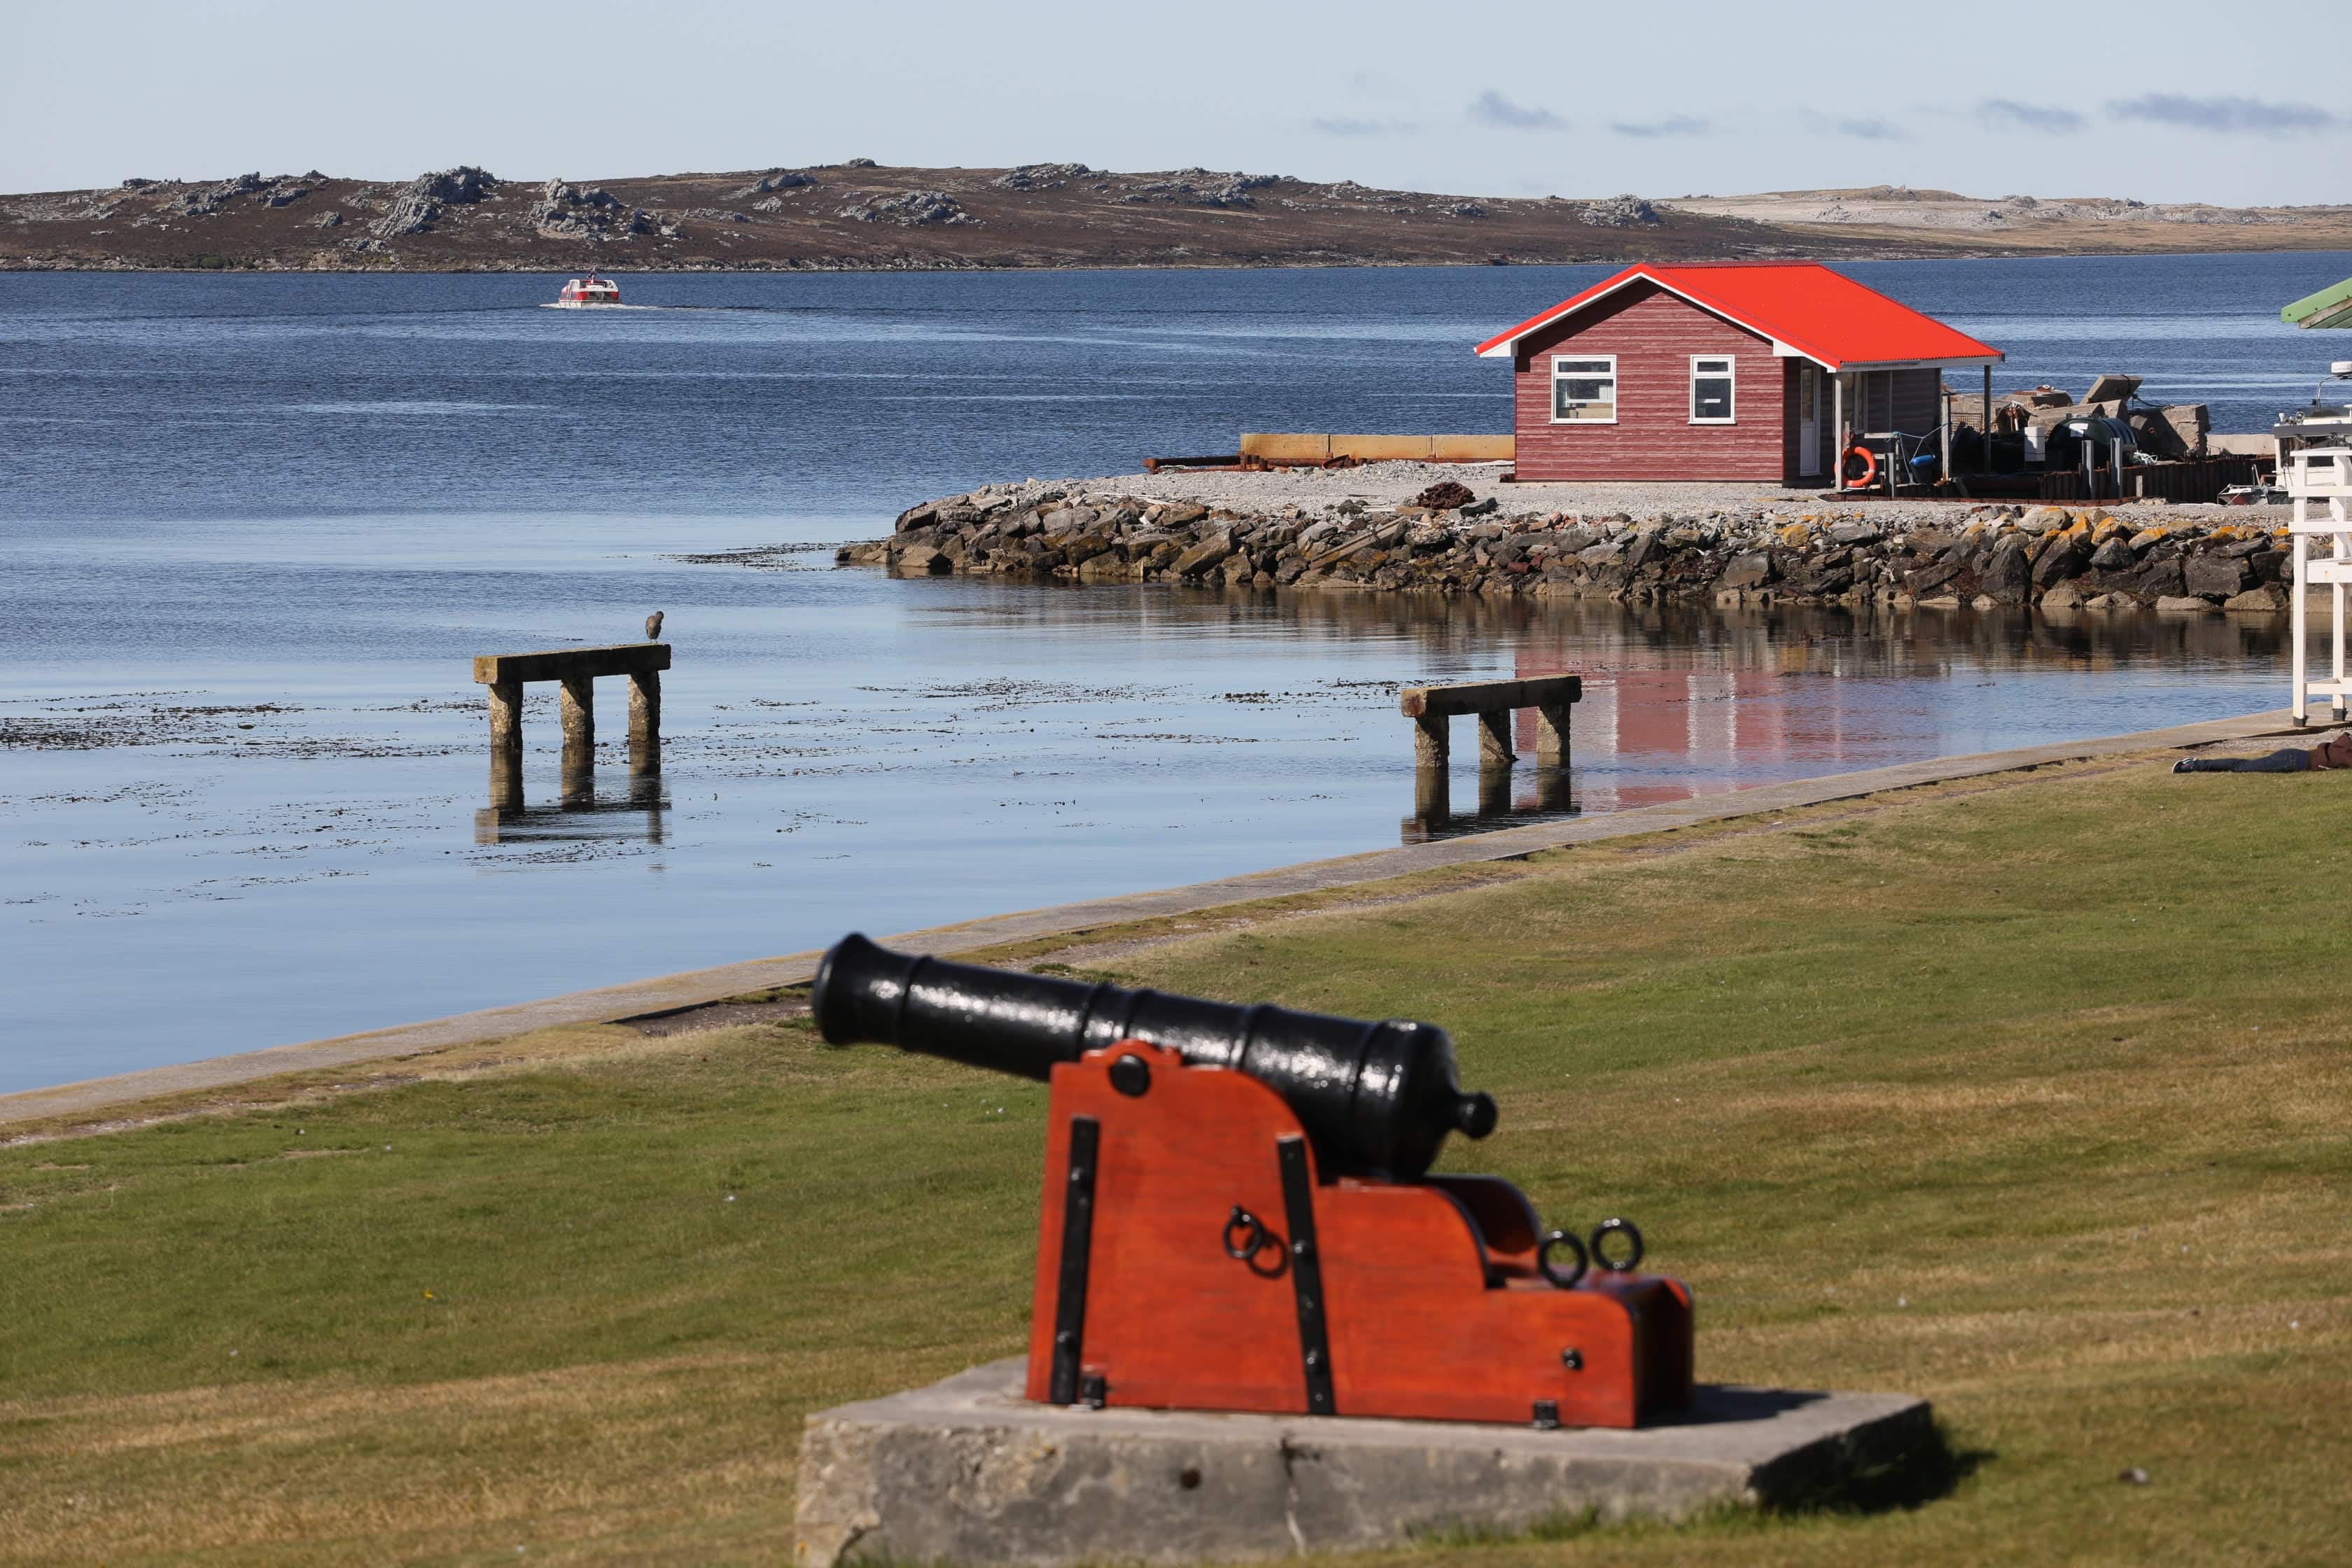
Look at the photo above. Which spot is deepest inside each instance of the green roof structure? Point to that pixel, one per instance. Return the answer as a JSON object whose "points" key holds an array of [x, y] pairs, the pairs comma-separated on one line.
{"points": [[2329, 308]]}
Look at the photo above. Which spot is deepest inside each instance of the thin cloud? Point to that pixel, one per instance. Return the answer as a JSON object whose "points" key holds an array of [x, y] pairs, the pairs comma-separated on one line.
{"points": [[1343, 125], [1873, 128], [2009, 114], [1673, 125], [2245, 116], [1491, 108]]}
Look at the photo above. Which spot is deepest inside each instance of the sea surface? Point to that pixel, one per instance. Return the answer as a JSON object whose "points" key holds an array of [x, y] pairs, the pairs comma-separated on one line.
{"points": [[256, 526]]}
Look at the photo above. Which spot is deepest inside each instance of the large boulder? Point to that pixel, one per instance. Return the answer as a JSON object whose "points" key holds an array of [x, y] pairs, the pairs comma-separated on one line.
{"points": [[1205, 556], [2063, 559], [1927, 579], [2158, 579], [2217, 576], [1752, 570], [2007, 574]]}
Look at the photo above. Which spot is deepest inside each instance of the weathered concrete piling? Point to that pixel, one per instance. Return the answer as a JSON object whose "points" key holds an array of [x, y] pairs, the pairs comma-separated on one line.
{"points": [[1493, 703], [577, 668], [2176, 558]]}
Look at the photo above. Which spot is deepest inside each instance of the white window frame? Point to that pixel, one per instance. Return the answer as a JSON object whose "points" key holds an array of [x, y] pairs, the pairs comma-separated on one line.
{"points": [[1616, 389], [1730, 373]]}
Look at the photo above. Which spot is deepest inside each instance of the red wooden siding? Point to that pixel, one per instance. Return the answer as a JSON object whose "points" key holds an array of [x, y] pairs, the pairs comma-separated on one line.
{"points": [[1654, 334]]}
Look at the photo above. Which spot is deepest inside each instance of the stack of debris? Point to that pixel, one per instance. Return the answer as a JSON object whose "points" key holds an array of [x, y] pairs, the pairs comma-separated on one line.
{"points": [[2171, 431]]}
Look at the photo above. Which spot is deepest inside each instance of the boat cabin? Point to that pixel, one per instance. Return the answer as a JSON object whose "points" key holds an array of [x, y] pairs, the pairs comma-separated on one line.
{"points": [[590, 291], [1755, 371]]}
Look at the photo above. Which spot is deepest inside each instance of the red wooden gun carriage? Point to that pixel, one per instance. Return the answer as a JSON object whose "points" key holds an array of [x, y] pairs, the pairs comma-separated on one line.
{"points": [[1238, 1212]]}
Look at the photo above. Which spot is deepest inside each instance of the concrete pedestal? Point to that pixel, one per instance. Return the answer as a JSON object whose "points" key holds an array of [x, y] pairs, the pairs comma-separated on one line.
{"points": [[968, 1471]]}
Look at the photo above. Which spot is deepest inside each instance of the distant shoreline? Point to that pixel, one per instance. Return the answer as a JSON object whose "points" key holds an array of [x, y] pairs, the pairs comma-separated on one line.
{"points": [[626, 268], [860, 217]]}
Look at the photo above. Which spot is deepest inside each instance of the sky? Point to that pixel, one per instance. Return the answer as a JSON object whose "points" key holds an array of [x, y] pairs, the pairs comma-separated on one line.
{"points": [[2162, 101]]}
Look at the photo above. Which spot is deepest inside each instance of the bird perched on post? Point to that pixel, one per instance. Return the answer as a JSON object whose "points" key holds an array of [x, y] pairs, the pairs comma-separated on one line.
{"points": [[653, 627]]}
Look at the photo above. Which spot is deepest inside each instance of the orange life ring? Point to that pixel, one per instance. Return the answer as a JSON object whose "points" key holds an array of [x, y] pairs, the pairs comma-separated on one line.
{"points": [[1869, 468]]}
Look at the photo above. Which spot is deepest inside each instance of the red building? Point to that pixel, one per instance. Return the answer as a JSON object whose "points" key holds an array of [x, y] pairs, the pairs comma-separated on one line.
{"points": [[1730, 371]]}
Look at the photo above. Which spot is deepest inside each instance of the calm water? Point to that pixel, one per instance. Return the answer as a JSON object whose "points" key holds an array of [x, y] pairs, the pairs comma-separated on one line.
{"points": [[255, 526]]}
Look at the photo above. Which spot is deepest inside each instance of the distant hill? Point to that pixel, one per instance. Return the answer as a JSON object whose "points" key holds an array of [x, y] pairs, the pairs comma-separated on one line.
{"points": [[861, 216]]}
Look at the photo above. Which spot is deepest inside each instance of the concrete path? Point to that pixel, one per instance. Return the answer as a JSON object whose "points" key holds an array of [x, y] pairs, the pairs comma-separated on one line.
{"points": [[694, 987]]}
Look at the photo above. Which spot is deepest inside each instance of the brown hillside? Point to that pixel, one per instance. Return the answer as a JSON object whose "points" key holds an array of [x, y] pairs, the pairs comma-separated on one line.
{"points": [[860, 216]]}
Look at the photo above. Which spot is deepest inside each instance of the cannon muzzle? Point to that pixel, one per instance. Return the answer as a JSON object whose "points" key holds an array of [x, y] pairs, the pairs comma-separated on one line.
{"points": [[1374, 1099]]}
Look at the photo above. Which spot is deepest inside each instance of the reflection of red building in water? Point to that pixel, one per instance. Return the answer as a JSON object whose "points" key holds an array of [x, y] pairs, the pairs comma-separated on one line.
{"points": [[1660, 724]]}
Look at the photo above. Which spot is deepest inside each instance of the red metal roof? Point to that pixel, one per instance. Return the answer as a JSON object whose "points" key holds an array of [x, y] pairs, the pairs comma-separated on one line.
{"points": [[1804, 308]]}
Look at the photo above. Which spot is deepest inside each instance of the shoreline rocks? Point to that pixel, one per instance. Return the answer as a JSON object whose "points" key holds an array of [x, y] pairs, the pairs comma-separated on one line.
{"points": [[1990, 556]]}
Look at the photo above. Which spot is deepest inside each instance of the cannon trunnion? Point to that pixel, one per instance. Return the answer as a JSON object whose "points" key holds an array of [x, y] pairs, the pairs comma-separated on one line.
{"points": [[1207, 1243]]}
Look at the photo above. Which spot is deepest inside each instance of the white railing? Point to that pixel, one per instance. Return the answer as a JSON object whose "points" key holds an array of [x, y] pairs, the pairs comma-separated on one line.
{"points": [[2321, 475]]}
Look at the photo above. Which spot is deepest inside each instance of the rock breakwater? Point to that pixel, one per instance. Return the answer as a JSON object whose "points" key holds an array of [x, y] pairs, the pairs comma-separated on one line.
{"points": [[1933, 557]]}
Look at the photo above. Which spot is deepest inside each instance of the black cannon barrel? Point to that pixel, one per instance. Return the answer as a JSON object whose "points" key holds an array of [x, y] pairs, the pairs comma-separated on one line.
{"points": [[1376, 1099]]}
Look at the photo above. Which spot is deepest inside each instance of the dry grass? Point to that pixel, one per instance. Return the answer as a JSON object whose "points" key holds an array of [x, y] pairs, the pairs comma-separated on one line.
{"points": [[1993, 1095]]}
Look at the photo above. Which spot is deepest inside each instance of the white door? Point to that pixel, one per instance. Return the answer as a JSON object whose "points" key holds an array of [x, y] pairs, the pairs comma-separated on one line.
{"points": [[1809, 422]]}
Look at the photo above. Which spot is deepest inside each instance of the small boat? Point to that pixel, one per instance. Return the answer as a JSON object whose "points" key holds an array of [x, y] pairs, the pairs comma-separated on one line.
{"points": [[580, 293]]}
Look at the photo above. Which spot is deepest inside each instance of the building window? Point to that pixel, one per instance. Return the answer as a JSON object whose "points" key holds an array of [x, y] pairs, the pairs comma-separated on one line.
{"points": [[1584, 390], [1711, 389]]}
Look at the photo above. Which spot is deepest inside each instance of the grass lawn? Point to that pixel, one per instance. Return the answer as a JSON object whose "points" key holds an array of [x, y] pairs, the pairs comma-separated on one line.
{"points": [[2030, 1098]]}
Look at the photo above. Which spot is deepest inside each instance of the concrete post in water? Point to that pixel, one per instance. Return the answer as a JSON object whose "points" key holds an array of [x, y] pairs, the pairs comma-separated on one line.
{"points": [[577, 668], [1552, 735], [506, 724], [1494, 750], [1430, 741], [645, 721], [578, 706], [1493, 703]]}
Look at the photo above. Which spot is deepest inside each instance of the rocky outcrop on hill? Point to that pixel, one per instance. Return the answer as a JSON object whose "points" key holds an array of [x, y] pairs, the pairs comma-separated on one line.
{"points": [[775, 180], [908, 207], [1039, 176], [567, 212], [417, 205], [1619, 212], [1201, 187], [1989, 558]]}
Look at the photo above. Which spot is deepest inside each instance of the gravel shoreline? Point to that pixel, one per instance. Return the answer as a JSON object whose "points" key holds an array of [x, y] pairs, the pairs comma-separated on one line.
{"points": [[1455, 528]]}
